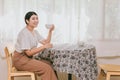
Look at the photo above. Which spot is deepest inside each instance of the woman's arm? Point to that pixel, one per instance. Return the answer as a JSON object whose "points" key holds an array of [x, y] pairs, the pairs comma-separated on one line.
{"points": [[49, 36], [37, 50]]}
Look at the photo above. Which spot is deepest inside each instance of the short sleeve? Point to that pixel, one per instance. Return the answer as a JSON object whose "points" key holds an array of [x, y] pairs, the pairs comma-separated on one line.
{"points": [[22, 43]]}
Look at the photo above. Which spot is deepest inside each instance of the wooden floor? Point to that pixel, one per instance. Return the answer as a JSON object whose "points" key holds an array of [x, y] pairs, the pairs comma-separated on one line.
{"points": [[63, 76], [114, 78]]}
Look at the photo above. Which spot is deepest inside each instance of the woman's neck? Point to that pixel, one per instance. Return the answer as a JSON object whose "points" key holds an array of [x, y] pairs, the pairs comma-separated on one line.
{"points": [[30, 28]]}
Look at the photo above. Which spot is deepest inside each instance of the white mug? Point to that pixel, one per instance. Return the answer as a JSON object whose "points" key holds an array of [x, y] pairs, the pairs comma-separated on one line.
{"points": [[48, 26]]}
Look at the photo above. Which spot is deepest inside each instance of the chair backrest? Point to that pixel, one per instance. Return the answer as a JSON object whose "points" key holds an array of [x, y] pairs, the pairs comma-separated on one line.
{"points": [[8, 59]]}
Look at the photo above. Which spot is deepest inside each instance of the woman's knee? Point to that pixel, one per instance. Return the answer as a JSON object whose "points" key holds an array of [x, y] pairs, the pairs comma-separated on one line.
{"points": [[48, 68], [44, 67]]}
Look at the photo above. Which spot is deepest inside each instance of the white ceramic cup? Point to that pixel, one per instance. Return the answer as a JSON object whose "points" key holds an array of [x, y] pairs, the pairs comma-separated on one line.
{"points": [[48, 26]]}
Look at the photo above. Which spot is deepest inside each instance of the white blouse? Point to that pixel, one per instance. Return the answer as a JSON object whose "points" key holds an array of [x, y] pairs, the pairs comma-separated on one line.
{"points": [[27, 40]]}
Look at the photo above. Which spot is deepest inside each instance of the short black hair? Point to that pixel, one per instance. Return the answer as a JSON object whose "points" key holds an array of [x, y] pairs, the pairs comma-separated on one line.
{"points": [[29, 14]]}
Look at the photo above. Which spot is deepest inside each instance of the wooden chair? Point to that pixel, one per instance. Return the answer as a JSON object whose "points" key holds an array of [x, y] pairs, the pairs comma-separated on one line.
{"points": [[12, 71], [108, 70]]}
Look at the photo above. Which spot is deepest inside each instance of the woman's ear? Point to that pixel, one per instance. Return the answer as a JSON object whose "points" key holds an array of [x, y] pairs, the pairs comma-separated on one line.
{"points": [[27, 21]]}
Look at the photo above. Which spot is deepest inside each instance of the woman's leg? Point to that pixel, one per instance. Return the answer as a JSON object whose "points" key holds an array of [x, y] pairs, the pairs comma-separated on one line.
{"points": [[39, 67]]}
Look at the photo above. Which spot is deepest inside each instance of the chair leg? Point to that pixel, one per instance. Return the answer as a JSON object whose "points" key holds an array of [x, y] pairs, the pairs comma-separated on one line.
{"points": [[12, 78], [108, 76], [33, 77], [101, 75], [36, 77], [9, 77]]}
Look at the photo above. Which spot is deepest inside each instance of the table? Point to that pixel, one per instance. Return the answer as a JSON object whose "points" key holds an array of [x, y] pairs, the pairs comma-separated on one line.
{"points": [[79, 60]]}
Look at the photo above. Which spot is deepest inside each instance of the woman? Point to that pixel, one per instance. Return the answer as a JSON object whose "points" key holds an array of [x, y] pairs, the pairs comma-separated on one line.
{"points": [[26, 47]]}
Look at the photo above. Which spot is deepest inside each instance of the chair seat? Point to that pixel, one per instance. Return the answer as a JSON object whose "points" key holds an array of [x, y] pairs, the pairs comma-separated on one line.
{"points": [[110, 67]]}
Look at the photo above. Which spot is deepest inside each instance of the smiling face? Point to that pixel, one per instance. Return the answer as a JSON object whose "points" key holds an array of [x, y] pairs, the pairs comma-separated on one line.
{"points": [[33, 21]]}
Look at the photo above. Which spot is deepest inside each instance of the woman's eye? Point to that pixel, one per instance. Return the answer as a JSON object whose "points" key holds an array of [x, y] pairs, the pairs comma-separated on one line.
{"points": [[37, 18], [33, 18]]}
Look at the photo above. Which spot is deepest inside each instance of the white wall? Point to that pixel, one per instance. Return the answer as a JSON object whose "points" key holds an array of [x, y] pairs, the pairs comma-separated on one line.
{"points": [[106, 47], [3, 69]]}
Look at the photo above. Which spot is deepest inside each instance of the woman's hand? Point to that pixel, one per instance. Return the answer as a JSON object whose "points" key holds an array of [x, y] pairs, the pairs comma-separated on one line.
{"points": [[48, 45], [52, 27]]}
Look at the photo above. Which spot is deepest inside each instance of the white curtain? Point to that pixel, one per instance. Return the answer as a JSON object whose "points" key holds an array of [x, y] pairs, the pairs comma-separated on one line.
{"points": [[112, 19], [75, 20]]}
